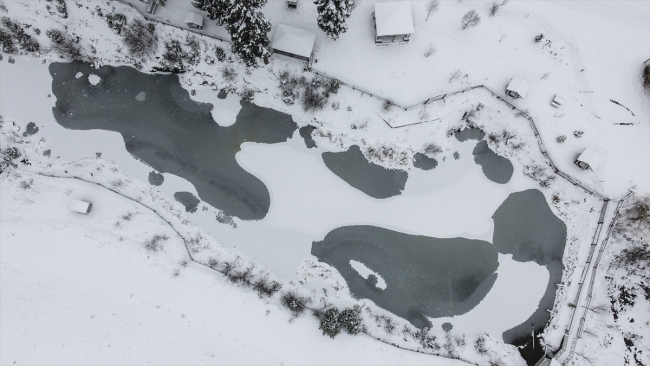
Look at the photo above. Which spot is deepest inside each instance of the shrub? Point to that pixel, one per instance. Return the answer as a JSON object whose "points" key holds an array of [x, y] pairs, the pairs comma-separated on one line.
{"points": [[7, 43], [387, 105], [61, 7], [560, 139], [313, 99], [350, 320], [140, 38], [266, 287], [332, 86], [116, 22], [470, 19], [220, 53], [430, 51], [24, 40], [578, 133], [479, 345], [431, 149], [63, 45], [248, 94], [432, 6], [172, 59], [155, 243], [539, 37], [494, 8], [294, 302], [330, 324], [228, 73], [193, 57]]}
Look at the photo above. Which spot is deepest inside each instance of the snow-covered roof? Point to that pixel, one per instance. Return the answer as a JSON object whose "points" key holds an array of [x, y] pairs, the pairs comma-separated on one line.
{"points": [[194, 18], [519, 86], [293, 40], [80, 206], [394, 18], [590, 157]]}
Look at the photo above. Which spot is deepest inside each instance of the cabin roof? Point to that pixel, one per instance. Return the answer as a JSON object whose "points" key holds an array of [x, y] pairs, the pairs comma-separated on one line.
{"points": [[293, 40], [519, 86], [394, 18], [194, 18], [79, 206], [592, 158]]}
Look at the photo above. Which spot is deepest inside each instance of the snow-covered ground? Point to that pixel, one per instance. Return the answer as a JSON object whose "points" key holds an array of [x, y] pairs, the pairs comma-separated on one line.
{"points": [[591, 54]]}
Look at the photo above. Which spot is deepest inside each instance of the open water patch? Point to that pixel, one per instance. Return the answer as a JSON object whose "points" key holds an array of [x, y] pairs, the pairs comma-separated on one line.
{"points": [[421, 161], [305, 133], [30, 130], [190, 201], [424, 276], [471, 133], [372, 179], [525, 227], [171, 132], [156, 179], [495, 167]]}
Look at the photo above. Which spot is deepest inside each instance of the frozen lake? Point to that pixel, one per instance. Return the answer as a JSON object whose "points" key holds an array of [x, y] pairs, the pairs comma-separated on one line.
{"points": [[253, 164]]}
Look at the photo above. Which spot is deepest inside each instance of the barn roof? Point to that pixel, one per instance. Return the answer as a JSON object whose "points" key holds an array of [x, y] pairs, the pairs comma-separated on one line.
{"points": [[394, 18], [194, 18], [519, 86], [293, 40], [590, 157]]}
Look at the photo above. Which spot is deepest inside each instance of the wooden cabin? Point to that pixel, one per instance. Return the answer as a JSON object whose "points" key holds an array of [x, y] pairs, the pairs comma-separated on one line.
{"points": [[393, 22]]}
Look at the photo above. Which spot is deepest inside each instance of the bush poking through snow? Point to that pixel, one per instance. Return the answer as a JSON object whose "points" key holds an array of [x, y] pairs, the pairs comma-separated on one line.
{"points": [[155, 243], [228, 73], [387, 105], [313, 99], [329, 323], [8, 156], [24, 40], [63, 45], [61, 7], [294, 302], [266, 287], [430, 51], [220, 54], [470, 19], [350, 320], [248, 94], [332, 86], [539, 37], [578, 134], [494, 8], [479, 345], [560, 139], [116, 22], [432, 149], [7, 43], [140, 38], [172, 59], [194, 56], [539, 174]]}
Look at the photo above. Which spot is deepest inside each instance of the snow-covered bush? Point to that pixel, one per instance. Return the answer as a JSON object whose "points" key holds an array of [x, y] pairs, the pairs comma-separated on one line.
{"points": [[313, 99], [247, 94], [61, 7], [229, 73], [172, 59], [63, 45], [350, 320], [220, 53], [194, 55], [470, 19], [560, 139], [115, 22], [432, 6], [140, 38], [329, 323], [155, 243], [24, 40], [494, 8], [294, 302], [479, 345], [387, 105], [266, 287], [432, 149], [7, 43]]}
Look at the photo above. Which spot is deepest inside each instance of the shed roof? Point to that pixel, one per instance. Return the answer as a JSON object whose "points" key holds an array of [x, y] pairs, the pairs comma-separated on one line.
{"points": [[519, 86], [590, 157], [293, 40], [394, 18], [194, 18], [80, 206]]}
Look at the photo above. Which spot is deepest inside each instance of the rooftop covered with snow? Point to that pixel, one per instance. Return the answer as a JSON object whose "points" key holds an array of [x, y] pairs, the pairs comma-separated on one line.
{"points": [[293, 41], [518, 86], [590, 157], [394, 18], [194, 18]]}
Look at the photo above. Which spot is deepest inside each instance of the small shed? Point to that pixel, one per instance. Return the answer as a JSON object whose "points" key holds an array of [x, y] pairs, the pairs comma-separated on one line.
{"points": [[194, 20], [393, 22], [518, 88], [293, 42], [80, 206], [588, 159]]}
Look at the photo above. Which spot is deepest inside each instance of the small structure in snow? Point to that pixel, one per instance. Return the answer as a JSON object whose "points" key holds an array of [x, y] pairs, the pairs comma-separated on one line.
{"points": [[292, 4], [194, 20], [557, 101], [518, 88], [80, 206], [293, 42], [393, 22], [588, 159], [94, 79]]}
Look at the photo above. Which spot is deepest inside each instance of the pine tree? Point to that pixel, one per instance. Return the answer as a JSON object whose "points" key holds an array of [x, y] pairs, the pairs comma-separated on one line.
{"points": [[332, 14], [246, 25]]}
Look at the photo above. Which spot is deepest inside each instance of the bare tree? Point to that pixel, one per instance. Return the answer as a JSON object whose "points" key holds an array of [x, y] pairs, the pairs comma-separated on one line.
{"points": [[494, 8], [432, 6], [430, 50], [470, 19], [454, 75]]}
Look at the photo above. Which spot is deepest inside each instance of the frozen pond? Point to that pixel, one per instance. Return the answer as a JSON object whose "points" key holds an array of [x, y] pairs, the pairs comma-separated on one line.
{"points": [[254, 164]]}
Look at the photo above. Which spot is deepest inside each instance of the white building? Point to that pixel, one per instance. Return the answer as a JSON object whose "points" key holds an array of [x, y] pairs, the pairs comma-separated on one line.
{"points": [[518, 88], [293, 42], [80, 206], [588, 159], [393, 22], [194, 20]]}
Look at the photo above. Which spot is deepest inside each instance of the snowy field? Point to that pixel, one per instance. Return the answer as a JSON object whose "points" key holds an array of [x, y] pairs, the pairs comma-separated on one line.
{"points": [[74, 271]]}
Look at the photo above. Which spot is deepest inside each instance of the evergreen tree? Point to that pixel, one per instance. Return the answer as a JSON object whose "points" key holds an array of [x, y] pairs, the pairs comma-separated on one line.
{"points": [[329, 323], [332, 14], [246, 25]]}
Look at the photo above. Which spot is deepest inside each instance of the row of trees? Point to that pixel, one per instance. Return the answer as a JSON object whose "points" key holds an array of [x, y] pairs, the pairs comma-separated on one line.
{"points": [[249, 29]]}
